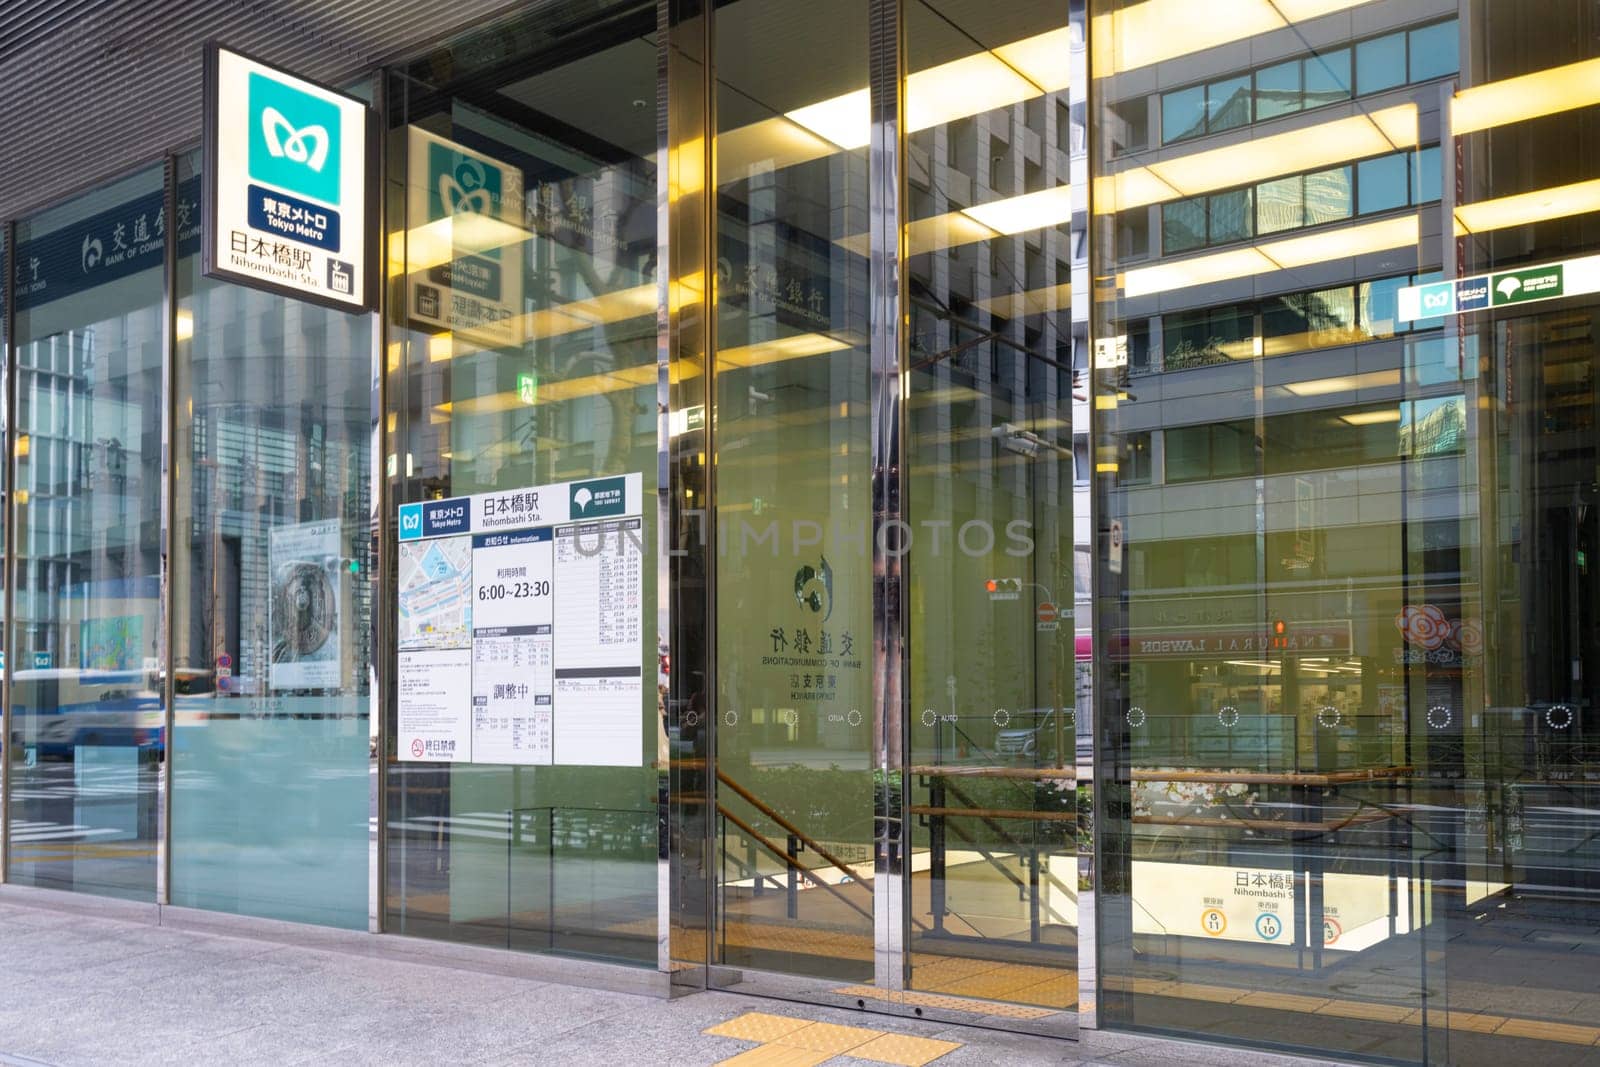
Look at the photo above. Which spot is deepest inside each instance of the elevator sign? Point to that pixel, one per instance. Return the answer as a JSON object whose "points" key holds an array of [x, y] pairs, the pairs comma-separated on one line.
{"points": [[287, 184]]}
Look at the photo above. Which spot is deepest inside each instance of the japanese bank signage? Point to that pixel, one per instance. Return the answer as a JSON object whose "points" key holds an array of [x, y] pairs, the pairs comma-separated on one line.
{"points": [[287, 184], [464, 251]]}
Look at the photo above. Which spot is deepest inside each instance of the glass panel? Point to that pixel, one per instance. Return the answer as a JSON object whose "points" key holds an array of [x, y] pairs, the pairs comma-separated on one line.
{"points": [[1228, 104], [523, 355], [1382, 183], [1301, 321], [1183, 113], [1278, 90], [1348, 651], [1329, 196], [272, 603], [1427, 183], [797, 793], [1183, 225], [992, 708], [1434, 51], [1379, 306], [1280, 205], [1380, 63], [87, 709], [1200, 338], [1327, 77], [1230, 216]]}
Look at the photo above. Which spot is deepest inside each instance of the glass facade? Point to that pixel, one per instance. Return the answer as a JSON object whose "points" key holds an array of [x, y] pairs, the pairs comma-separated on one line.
{"points": [[1085, 510], [1340, 611]]}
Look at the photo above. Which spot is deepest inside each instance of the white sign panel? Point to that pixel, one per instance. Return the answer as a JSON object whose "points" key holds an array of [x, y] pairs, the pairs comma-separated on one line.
{"points": [[529, 606], [306, 611], [287, 183], [434, 686]]}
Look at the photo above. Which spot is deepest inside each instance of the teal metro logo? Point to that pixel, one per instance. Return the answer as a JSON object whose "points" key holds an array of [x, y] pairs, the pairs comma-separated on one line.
{"points": [[294, 139]]}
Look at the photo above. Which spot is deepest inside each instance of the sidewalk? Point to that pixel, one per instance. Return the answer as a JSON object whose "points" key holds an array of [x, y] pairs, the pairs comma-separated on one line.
{"points": [[81, 990]]}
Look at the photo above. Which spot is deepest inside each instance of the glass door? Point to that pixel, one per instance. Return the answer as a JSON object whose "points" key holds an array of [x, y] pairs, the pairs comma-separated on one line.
{"points": [[991, 815], [887, 834]]}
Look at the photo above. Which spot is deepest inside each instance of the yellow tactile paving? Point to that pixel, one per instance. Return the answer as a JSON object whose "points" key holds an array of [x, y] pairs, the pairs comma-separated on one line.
{"points": [[1283, 1002], [903, 1049], [758, 1026], [1543, 1031], [1356, 1009], [831, 1038], [1201, 991], [1474, 1021], [776, 1056], [949, 1003]]}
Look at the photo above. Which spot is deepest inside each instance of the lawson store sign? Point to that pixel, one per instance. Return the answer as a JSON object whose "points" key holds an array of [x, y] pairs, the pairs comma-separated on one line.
{"points": [[287, 184], [1480, 292]]}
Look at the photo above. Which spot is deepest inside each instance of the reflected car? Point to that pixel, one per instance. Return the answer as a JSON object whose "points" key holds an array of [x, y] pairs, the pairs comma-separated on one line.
{"points": [[1031, 733]]}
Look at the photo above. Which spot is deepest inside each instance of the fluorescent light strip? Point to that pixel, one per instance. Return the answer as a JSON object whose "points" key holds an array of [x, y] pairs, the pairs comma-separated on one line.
{"points": [[1298, 151], [1371, 418], [1544, 92], [971, 85], [448, 239], [1319, 247], [1348, 383], [1159, 30], [1558, 202]]}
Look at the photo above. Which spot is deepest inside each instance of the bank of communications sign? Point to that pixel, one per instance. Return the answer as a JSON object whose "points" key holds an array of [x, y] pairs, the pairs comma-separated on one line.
{"points": [[286, 183]]}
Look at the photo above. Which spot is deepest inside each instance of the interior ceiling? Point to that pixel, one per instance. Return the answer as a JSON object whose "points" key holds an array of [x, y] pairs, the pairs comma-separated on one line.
{"points": [[94, 87]]}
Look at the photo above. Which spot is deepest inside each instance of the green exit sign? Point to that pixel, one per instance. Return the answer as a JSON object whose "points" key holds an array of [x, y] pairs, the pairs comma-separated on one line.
{"points": [[528, 388]]}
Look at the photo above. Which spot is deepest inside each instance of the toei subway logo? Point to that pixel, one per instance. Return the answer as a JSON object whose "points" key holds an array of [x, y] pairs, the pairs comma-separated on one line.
{"points": [[293, 139]]}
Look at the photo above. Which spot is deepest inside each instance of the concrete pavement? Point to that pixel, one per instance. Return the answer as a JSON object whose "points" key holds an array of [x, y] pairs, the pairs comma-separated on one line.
{"points": [[80, 989]]}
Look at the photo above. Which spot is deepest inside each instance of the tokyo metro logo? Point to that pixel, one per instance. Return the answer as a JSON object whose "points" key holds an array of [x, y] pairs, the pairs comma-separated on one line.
{"points": [[293, 139]]}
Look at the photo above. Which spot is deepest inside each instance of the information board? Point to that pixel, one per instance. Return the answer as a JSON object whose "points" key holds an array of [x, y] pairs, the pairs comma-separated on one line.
{"points": [[520, 625], [288, 181]]}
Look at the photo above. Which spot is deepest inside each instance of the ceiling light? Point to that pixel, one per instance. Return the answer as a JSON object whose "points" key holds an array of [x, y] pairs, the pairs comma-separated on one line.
{"points": [[1157, 30], [1544, 92], [1559, 202], [1377, 379], [845, 120], [1371, 418]]}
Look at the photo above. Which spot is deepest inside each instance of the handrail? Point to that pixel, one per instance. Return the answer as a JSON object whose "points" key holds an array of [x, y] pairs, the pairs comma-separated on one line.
{"points": [[805, 838], [799, 867], [956, 829]]}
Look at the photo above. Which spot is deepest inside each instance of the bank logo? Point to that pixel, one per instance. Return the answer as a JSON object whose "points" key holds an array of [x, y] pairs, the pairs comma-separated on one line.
{"points": [[603, 496], [813, 588], [465, 192], [93, 253], [461, 184], [294, 139]]}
